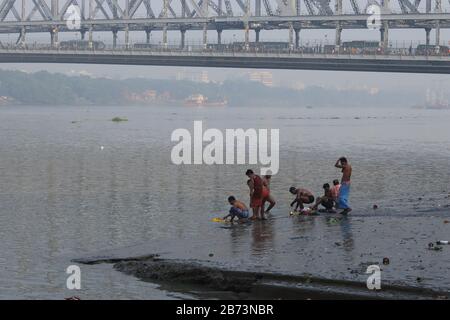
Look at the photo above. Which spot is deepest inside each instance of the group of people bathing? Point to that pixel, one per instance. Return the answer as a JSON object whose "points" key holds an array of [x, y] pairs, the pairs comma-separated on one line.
{"points": [[334, 197]]}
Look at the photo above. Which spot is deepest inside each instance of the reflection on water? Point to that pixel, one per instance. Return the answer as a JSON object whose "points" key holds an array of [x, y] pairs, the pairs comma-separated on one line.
{"points": [[262, 237], [63, 196]]}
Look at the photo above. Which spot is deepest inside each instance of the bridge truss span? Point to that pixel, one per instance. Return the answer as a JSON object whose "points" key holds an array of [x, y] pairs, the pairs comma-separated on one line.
{"points": [[52, 16]]}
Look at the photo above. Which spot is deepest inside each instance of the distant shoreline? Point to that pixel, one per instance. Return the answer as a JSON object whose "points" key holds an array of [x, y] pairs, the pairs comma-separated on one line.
{"points": [[44, 88]]}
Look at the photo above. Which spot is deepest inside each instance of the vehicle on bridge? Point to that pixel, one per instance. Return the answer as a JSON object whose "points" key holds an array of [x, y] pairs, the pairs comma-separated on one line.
{"points": [[361, 47], [82, 45], [432, 50], [144, 46], [266, 46]]}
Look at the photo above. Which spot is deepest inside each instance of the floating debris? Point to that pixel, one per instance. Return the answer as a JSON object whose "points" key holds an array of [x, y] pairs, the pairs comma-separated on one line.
{"points": [[431, 246], [333, 221], [119, 119]]}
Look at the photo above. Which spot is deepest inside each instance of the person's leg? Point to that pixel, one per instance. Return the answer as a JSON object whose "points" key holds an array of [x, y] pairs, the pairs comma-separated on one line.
{"points": [[344, 193], [272, 203], [233, 213], [255, 213], [300, 202], [328, 205], [253, 205], [263, 205], [261, 214], [318, 202], [257, 204]]}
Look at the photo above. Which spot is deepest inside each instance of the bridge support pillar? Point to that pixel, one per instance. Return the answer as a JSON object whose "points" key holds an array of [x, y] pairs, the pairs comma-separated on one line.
{"points": [[183, 38], [219, 36], [83, 34], [205, 36], [291, 36], [165, 36], [384, 36], [91, 36], [247, 36], [257, 32], [54, 37], [438, 9], [438, 33], [337, 41], [127, 36], [148, 33], [427, 36], [114, 38], [297, 38], [23, 33]]}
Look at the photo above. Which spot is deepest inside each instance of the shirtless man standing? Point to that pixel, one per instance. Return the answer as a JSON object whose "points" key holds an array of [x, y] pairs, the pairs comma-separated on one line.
{"points": [[256, 197], [302, 196], [344, 190]]}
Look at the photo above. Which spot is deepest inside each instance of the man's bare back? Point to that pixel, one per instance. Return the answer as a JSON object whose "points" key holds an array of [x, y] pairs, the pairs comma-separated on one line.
{"points": [[303, 192]]}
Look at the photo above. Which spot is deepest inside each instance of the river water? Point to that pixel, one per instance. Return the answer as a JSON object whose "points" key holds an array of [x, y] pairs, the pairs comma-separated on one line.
{"points": [[72, 182]]}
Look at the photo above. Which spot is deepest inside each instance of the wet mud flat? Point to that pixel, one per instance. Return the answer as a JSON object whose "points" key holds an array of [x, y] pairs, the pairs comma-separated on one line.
{"points": [[323, 257]]}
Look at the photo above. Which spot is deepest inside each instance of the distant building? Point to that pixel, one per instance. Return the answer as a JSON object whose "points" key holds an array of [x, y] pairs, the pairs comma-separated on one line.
{"points": [[146, 96], [150, 95], [204, 77], [264, 77], [195, 76]]}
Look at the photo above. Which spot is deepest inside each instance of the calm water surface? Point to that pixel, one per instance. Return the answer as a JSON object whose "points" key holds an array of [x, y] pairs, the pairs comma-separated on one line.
{"points": [[62, 196]]}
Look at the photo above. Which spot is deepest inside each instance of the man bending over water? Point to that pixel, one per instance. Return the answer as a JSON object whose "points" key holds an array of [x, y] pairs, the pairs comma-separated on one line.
{"points": [[302, 196], [238, 209], [326, 200], [344, 190]]}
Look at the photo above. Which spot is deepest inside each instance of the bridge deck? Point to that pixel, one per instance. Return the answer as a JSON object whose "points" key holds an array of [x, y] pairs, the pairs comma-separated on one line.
{"points": [[341, 62]]}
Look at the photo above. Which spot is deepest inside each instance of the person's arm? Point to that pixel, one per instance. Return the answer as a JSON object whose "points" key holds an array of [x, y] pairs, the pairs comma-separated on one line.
{"points": [[338, 164], [226, 217], [293, 202], [252, 187]]}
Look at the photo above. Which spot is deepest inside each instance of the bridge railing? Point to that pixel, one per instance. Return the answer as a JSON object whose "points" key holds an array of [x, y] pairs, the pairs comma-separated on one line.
{"points": [[308, 48]]}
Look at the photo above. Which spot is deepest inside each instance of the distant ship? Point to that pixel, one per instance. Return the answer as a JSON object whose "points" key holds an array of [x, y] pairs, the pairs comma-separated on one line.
{"points": [[435, 101], [199, 100]]}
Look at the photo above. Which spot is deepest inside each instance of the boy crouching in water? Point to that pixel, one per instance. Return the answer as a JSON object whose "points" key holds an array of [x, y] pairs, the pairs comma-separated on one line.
{"points": [[238, 209]]}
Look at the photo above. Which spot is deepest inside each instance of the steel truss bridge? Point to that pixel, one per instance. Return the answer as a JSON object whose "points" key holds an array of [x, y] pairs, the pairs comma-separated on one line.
{"points": [[31, 16], [56, 16]]}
